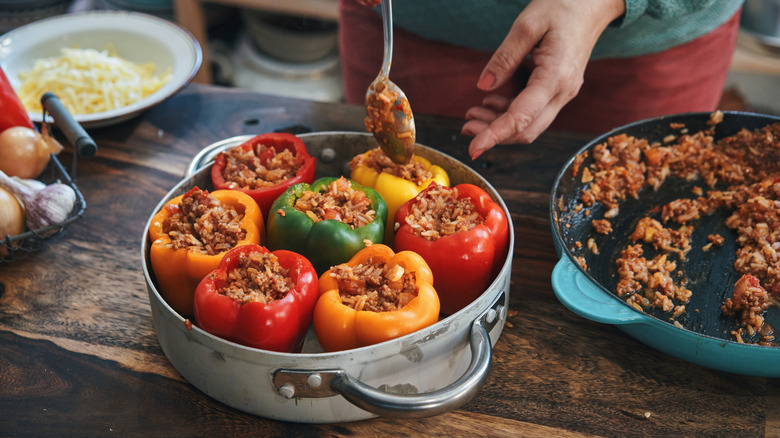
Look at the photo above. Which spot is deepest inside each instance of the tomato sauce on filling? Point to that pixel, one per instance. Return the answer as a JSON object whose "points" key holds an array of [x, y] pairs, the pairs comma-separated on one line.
{"points": [[378, 161], [258, 277], [438, 212], [337, 201], [245, 169], [375, 286], [201, 223]]}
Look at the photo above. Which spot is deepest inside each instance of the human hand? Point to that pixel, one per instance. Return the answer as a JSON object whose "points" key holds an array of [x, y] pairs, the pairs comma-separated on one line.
{"points": [[560, 36]]}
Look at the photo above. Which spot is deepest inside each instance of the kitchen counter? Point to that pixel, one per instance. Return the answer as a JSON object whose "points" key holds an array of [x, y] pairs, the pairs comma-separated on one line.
{"points": [[79, 354]]}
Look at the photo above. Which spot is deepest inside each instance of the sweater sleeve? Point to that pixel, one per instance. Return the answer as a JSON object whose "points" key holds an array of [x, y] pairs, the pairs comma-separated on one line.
{"points": [[660, 9]]}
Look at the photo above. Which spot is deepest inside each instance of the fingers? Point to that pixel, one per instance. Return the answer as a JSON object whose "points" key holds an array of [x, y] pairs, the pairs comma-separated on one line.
{"points": [[522, 37], [522, 121]]}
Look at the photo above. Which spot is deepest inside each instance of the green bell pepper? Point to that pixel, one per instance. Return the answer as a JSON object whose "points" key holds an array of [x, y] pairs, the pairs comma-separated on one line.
{"points": [[326, 242]]}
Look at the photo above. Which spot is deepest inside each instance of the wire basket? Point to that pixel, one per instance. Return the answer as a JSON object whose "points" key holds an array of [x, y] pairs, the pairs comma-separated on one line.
{"points": [[20, 245]]}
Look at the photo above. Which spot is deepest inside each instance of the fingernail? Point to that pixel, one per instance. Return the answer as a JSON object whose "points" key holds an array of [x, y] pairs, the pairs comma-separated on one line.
{"points": [[486, 81]]}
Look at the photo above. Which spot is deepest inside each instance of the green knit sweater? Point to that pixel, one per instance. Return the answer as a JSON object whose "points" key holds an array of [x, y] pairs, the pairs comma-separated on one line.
{"points": [[648, 26]]}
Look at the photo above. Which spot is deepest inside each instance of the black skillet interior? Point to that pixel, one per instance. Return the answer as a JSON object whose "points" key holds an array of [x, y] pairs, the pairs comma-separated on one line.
{"points": [[710, 273]]}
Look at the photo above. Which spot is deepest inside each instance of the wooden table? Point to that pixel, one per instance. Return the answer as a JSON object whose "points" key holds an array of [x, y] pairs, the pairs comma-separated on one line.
{"points": [[79, 355]]}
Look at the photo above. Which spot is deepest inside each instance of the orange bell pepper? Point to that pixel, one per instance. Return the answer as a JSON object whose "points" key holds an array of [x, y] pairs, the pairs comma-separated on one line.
{"points": [[178, 271], [340, 327]]}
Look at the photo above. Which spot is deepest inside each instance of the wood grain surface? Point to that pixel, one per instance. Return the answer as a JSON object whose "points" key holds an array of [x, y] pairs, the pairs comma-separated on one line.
{"points": [[79, 355]]}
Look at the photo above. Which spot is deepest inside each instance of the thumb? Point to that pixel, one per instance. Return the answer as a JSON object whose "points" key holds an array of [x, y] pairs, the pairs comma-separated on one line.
{"points": [[522, 37]]}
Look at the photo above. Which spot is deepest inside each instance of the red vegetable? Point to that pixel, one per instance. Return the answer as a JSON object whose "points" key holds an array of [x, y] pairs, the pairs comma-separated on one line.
{"points": [[12, 112], [261, 146], [279, 325], [464, 263]]}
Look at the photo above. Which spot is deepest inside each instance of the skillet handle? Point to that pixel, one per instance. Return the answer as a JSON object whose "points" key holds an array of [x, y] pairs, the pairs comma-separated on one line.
{"points": [[580, 295]]}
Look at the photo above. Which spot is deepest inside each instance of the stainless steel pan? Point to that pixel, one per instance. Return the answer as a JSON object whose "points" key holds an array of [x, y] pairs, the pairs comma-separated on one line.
{"points": [[428, 372]]}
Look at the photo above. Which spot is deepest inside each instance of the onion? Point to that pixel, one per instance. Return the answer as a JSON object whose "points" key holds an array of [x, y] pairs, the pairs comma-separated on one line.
{"points": [[24, 152], [11, 215]]}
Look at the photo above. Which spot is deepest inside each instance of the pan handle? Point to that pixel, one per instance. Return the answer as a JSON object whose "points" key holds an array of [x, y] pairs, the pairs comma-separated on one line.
{"points": [[428, 404], [578, 293], [324, 383]]}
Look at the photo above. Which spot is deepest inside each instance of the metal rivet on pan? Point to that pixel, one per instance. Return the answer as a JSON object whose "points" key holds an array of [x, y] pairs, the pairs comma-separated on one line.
{"points": [[327, 155], [314, 381], [287, 390], [490, 316]]}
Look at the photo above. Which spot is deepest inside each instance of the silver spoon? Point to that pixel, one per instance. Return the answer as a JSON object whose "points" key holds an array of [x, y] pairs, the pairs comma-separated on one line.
{"points": [[388, 113]]}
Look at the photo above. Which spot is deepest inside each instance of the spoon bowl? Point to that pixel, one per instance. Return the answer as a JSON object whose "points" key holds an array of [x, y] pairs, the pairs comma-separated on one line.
{"points": [[388, 113]]}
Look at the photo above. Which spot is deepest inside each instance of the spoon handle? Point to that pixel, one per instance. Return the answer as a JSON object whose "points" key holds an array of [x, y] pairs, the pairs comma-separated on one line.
{"points": [[387, 26]]}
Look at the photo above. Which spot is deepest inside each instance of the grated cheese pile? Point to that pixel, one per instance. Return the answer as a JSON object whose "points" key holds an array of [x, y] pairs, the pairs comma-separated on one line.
{"points": [[89, 81]]}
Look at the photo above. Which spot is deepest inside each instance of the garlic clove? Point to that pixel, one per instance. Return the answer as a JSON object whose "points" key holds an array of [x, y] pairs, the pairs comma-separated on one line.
{"points": [[50, 205]]}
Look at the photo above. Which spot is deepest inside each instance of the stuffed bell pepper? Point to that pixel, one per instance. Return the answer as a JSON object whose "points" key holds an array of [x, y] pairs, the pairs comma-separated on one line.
{"points": [[192, 233], [377, 296], [258, 298], [397, 183], [264, 167], [328, 221], [462, 234]]}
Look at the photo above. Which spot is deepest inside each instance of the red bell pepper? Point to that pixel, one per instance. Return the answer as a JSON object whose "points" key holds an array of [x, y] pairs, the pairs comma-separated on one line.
{"points": [[279, 325], [12, 112], [464, 263], [265, 147]]}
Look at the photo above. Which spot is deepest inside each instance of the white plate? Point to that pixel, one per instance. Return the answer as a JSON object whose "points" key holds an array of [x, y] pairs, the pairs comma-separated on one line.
{"points": [[137, 37]]}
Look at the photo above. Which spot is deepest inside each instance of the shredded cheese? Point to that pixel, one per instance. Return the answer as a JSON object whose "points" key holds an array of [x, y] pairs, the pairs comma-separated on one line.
{"points": [[89, 81]]}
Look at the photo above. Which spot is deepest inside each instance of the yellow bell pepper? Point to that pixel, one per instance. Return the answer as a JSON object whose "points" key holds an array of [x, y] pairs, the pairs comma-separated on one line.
{"points": [[395, 190]]}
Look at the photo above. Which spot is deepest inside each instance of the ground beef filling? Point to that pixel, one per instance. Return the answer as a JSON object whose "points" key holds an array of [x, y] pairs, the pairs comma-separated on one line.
{"points": [[437, 212], [245, 169], [375, 286], [258, 277], [201, 223], [337, 201], [745, 163], [376, 160]]}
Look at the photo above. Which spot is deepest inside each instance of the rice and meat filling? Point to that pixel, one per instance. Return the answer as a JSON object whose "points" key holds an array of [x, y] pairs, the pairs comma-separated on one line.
{"points": [[747, 163], [437, 212], [258, 277], [375, 286], [378, 161], [245, 169], [201, 223], [380, 107], [338, 201]]}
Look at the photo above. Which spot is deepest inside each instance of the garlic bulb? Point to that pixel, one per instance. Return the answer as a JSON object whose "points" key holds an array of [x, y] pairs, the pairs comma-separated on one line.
{"points": [[47, 206]]}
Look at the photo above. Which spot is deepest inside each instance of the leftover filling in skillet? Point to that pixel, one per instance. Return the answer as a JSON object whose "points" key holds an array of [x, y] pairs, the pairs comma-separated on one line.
{"points": [[438, 212], [260, 166], [201, 223], [374, 286], [746, 164], [378, 161], [258, 277], [338, 201]]}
